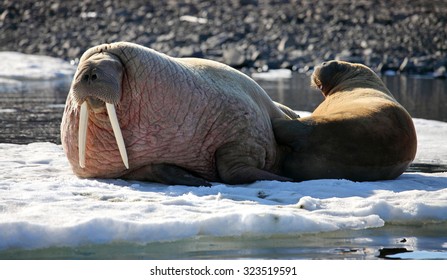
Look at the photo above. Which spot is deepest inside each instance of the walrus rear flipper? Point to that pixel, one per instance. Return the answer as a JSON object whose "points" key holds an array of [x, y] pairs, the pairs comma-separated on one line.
{"points": [[292, 133], [242, 163]]}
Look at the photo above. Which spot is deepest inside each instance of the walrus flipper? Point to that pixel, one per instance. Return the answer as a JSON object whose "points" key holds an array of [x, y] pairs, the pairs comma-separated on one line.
{"points": [[286, 110], [167, 174], [239, 164], [292, 133]]}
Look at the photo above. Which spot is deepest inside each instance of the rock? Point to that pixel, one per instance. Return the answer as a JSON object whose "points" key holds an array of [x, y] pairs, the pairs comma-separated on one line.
{"points": [[166, 37], [286, 43], [404, 65], [217, 40], [295, 55], [387, 252], [440, 73], [246, 33], [246, 2], [234, 57], [190, 51], [74, 52]]}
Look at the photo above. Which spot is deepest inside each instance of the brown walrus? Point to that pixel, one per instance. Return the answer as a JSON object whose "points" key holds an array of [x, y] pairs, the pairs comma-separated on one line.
{"points": [[359, 132], [138, 114]]}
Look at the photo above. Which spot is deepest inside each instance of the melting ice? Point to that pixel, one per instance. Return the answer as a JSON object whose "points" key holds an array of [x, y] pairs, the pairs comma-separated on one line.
{"points": [[43, 204]]}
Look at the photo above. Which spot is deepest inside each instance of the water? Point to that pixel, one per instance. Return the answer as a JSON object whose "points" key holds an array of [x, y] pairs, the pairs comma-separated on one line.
{"points": [[31, 111], [378, 243], [424, 98]]}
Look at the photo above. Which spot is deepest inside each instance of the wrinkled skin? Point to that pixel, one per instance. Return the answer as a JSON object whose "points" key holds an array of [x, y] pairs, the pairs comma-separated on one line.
{"points": [[359, 132], [184, 121]]}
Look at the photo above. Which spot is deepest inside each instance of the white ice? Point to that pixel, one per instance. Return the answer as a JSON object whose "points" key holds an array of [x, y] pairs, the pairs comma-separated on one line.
{"points": [[18, 71], [15, 66], [43, 204], [274, 74]]}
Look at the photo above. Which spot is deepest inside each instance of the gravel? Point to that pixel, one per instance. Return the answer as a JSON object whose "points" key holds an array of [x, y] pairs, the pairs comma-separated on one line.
{"points": [[408, 36]]}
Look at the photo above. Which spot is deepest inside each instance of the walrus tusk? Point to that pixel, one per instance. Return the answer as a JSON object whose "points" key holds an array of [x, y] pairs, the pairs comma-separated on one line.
{"points": [[82, 135], [117, 131]]}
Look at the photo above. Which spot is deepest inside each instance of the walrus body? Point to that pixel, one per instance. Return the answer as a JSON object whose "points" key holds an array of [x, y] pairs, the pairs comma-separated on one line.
{"points": [[183, 121], [359, 132]]}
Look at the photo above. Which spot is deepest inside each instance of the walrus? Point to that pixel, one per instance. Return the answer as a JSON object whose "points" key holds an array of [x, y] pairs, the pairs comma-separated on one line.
{"points": [[135, 113], [359, 132]]}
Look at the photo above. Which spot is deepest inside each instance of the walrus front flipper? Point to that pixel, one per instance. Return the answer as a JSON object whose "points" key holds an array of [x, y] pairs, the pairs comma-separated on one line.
{"points": [[286, 110], [239, 163], [167, 174], [292, 133]]}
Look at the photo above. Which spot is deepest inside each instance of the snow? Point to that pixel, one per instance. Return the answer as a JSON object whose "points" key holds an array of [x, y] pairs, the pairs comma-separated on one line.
{"points": [[15, 66], [274, 74], [43, 204]]}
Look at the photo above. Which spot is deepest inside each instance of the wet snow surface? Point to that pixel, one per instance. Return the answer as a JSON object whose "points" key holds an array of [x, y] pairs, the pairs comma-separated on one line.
{"points": [[42, 204]]}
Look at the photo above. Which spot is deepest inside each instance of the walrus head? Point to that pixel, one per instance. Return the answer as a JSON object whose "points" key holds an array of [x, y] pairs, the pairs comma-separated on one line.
{"points": [[98, 80], [97, 86], [334, 76]]}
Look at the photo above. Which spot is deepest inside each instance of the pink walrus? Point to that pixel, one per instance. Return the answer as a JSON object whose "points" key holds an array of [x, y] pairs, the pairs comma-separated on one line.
{"points": [[138, 114]]}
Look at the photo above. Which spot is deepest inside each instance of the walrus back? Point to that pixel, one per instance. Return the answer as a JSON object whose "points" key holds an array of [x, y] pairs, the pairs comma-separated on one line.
{"points": [[361, 138], [359, 132]]}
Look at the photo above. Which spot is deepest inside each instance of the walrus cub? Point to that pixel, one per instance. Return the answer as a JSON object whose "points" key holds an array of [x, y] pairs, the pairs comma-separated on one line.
{"points": [[359, 132], [138, 114]]}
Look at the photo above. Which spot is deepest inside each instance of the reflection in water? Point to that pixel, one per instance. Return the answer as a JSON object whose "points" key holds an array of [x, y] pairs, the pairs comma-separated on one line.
{"points": [[422, 97], [31, 111], [295, 92]]}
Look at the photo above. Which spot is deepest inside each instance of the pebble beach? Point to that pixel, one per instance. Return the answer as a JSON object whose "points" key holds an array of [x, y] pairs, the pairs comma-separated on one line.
{"points": [[398, 35]]}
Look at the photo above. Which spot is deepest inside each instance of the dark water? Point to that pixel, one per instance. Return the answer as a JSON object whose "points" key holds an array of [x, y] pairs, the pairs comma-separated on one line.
{"points": [[378, 243], [424, 98], [32, 111]]}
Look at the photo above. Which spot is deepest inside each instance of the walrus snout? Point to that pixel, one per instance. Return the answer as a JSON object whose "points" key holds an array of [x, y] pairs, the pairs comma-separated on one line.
{"points": [[99, 77], [97, 105], [90, 76]]}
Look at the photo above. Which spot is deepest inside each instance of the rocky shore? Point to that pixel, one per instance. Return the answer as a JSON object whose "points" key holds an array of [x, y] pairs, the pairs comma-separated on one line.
{"points": [[408, 36]]}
